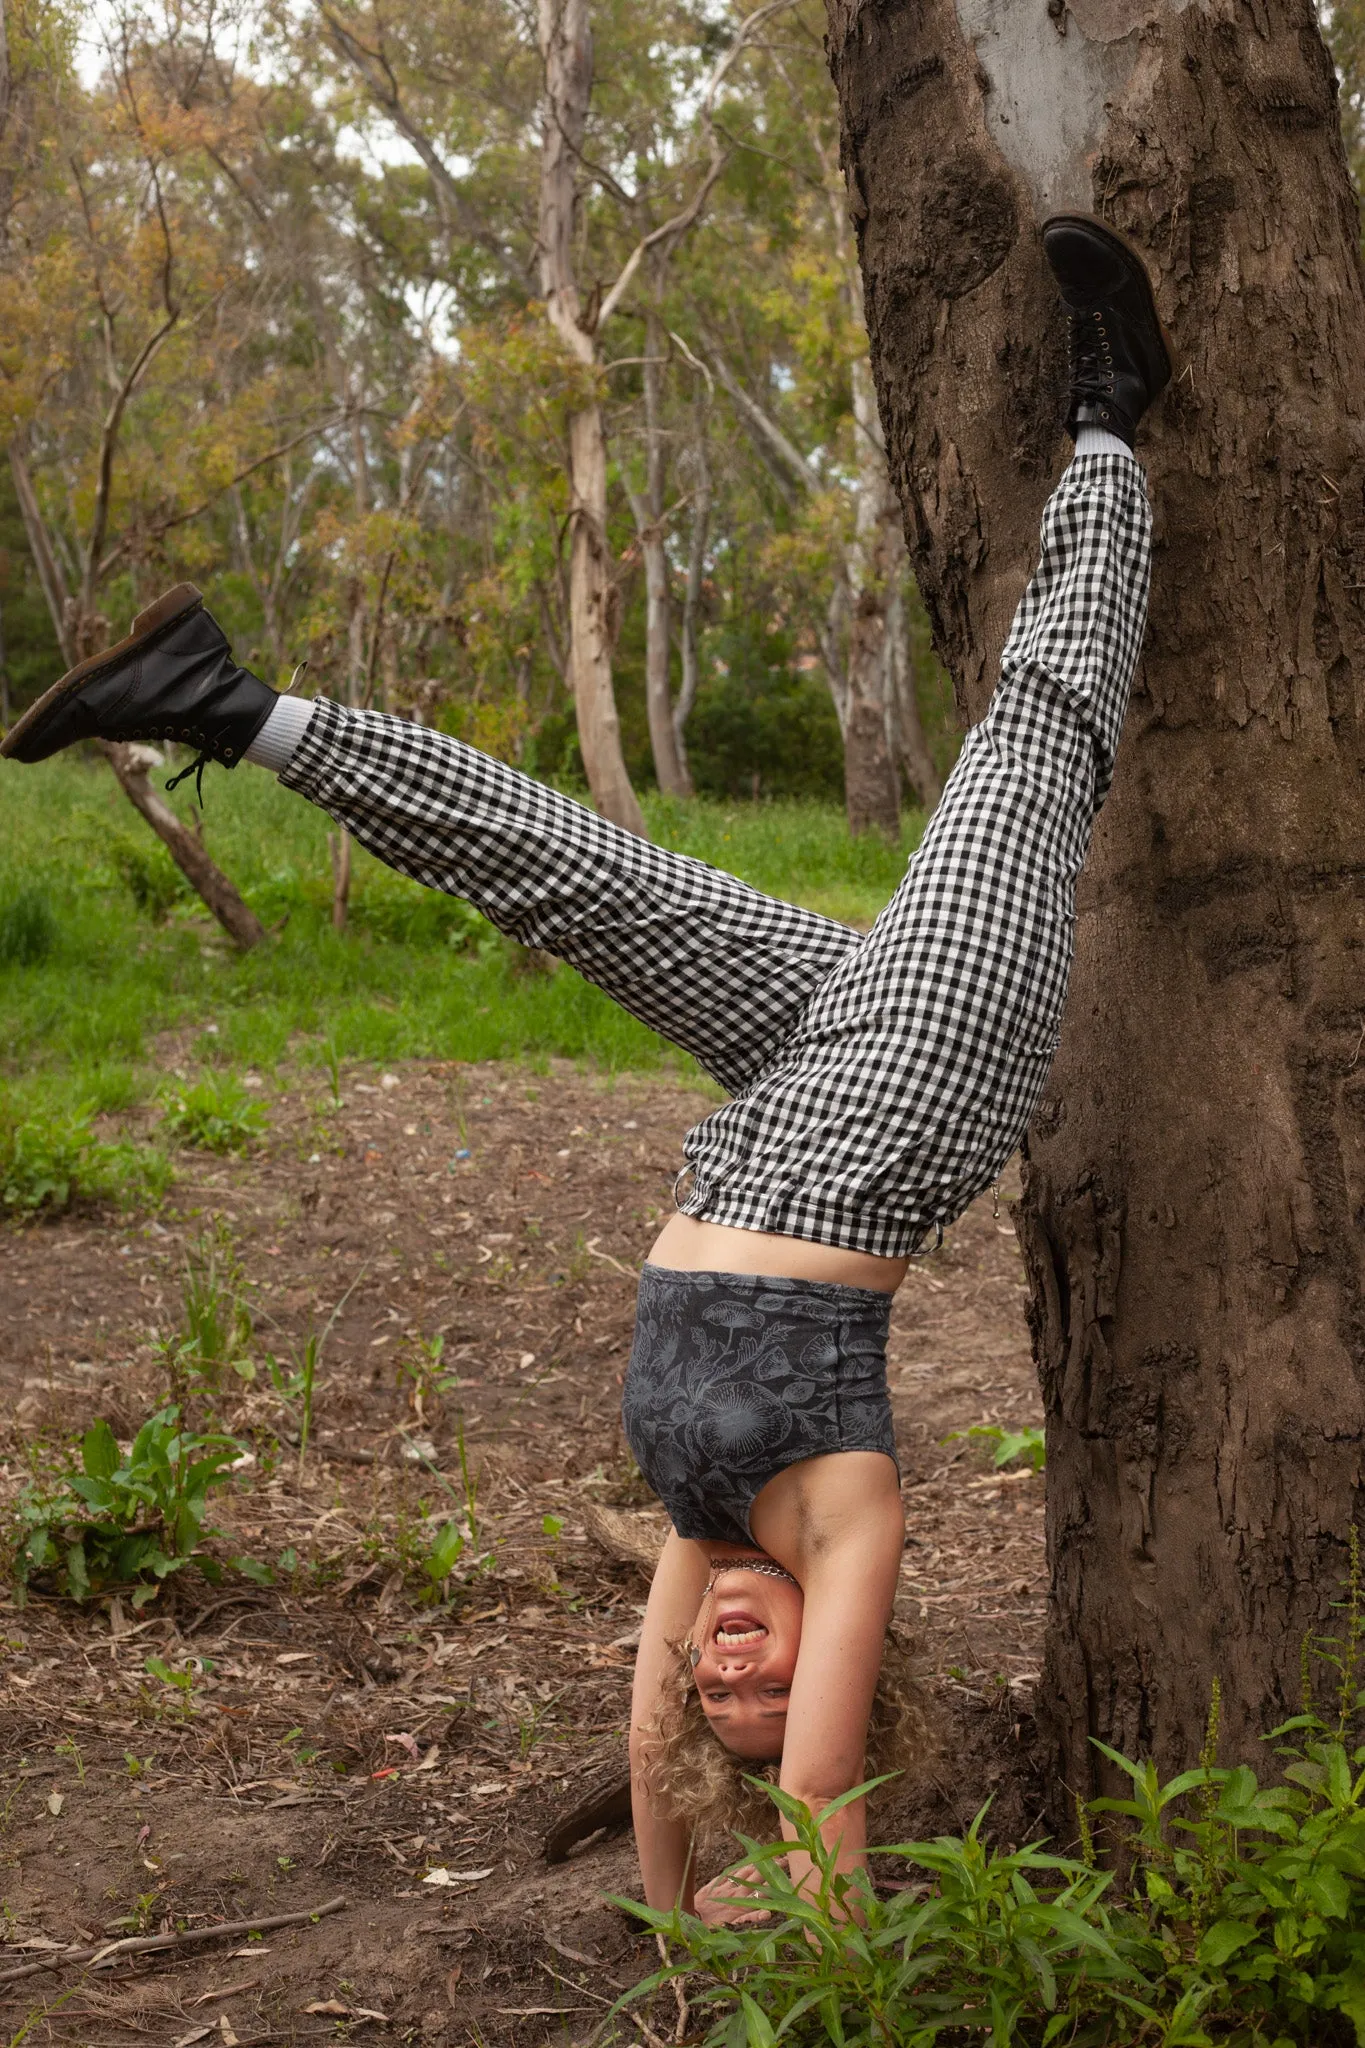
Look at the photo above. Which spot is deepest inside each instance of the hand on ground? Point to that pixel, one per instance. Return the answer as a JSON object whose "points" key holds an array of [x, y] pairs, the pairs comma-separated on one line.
{"points": [[724, 1902]]}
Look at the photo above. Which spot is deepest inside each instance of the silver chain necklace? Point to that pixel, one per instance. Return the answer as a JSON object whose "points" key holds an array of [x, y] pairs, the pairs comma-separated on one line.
{"points": [[764, 1565]]}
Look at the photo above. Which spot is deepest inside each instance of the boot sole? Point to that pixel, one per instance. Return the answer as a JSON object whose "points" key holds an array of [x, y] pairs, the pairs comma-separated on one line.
{"points": [[175, 604], [1139, 264]]}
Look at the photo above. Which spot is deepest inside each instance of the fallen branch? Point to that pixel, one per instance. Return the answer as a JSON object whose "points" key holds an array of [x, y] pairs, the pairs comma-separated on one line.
{"points": [[145, 1944]]}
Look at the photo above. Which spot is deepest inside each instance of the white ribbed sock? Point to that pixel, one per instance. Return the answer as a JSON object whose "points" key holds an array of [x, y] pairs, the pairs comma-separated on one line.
{"points": [[274, 745], [1098, 441]]}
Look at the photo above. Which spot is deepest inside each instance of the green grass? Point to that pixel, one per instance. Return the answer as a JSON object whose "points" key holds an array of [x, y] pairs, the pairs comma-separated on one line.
{"points": [[102, 946]]}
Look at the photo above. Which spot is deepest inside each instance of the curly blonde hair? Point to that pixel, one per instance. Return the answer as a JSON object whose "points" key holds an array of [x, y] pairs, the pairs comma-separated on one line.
{"points": [[691, 1776]]}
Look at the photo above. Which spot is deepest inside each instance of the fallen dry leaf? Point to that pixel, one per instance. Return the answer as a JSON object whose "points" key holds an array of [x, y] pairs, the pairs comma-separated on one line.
{"points": [[458, 1876], [225, 2029], [55, 1802]]}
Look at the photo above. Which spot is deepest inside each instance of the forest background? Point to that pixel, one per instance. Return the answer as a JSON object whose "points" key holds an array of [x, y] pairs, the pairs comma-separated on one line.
{"points": [[333, 309], [273, 299]]}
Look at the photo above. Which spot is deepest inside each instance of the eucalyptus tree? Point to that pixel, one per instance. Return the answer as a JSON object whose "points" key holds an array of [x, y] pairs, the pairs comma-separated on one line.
{"points": [[1195, 1176]]}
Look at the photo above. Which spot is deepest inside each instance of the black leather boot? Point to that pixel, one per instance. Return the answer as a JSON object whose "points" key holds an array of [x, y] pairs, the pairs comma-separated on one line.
{"points": [[173, 678], [1121, 355]]}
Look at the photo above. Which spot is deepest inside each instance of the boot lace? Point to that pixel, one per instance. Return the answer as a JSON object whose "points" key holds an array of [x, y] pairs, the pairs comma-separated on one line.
{"points": [[1092, 363], [196, 769]]}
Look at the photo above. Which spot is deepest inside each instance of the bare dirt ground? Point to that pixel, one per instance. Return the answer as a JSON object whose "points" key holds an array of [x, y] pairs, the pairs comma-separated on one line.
{"points": [[342, 1739]]}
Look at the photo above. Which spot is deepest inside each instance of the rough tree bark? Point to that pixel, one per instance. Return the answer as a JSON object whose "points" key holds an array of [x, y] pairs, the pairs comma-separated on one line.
{"points": [[566, 49], [1195, 1177]]}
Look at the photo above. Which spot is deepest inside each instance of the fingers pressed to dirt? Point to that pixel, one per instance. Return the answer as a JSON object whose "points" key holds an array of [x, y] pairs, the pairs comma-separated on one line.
{"points": [[384, 1720]]}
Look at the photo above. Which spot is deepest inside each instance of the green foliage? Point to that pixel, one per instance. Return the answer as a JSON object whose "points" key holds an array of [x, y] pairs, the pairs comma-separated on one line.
{"points": [[28, 929], [50, 1162], [296, 1385], [1010, 1946], [447, 1548], [76, 1029], [1240, 1922], [764, 730], [123, 1520], [214, 1114], [218, 1328], [1012, 1446], [148, 873]]}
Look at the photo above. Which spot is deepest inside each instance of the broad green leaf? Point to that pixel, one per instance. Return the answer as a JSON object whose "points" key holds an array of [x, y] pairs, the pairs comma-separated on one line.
{"points": [[1223, 1940], [99, 1451], [1329, 1891]]}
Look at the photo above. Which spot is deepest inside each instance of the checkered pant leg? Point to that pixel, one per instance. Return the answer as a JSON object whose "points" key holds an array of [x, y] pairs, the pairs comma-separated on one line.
{"points": [[712, 964], [914, 1069]]}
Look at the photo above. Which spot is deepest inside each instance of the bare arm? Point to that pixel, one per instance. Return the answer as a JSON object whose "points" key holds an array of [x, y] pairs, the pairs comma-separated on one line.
{"points": [[674, 1595], [850, 1584]]}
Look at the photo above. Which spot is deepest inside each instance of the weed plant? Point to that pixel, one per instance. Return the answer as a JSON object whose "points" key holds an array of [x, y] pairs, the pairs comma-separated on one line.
{"points": [[124, 1520], [213, 1114], [218, 1327], [28, 928], [1241, 1923], [50, 1162], [1027, 1446]]}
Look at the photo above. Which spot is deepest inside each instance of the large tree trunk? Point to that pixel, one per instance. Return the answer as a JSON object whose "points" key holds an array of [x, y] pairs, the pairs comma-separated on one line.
{"points": [[1195, 1179], [566, 48]]}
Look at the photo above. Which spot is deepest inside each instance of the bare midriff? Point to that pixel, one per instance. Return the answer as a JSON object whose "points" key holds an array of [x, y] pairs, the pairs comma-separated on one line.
{"points": [[689, 1245]]}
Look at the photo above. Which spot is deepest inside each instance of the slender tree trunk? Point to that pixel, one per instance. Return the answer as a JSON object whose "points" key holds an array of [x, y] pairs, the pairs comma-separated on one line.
{"points": [[874, 559], [208, 881], [700, 462], [79, 637], [566, 48], [1195, 1176], [648, 509]]}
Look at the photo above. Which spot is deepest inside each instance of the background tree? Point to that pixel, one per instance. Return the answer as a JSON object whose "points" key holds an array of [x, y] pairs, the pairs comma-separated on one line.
{"points": [[105, 281], [1195, 1178]]}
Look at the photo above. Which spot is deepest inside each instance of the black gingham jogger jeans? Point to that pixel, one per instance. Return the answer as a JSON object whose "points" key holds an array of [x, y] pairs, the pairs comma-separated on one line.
{"points": [[878, 1082]]}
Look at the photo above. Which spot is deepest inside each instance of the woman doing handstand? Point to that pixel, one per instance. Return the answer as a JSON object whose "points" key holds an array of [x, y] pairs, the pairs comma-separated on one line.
{"points": [[877, 1083]]}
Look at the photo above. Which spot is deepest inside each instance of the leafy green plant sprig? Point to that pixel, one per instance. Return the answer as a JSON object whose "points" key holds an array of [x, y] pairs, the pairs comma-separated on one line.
{"points": [[1010, 1946], [218, 1328], [213, 1114], [50, 1162], [1026, 1446], [126, 1520]]}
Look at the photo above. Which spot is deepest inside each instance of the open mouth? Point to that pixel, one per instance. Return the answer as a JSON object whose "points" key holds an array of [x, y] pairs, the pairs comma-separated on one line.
{"points": [[738, 1632]]}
